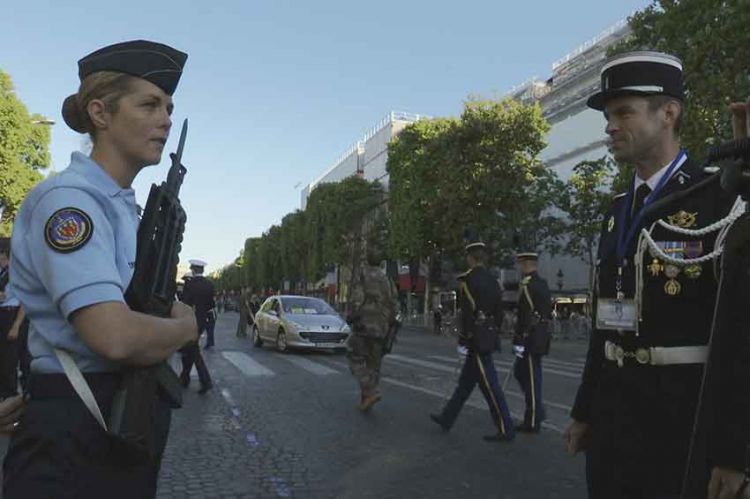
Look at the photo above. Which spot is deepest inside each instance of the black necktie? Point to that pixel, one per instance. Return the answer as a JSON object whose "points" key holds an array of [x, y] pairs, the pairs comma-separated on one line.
{"points": [[640, 197]]}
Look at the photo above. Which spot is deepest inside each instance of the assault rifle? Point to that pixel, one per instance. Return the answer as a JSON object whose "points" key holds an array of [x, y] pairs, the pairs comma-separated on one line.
{"points": [[390, 337], [152, 291]]}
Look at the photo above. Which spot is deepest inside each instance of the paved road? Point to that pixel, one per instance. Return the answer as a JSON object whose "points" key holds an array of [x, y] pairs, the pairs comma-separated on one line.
{"points": [[286, 425]]}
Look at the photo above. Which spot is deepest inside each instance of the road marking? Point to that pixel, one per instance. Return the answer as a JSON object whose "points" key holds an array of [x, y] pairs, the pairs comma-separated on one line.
{"points": [[470, 403], [564, 364], [502, 364], [308, 365], [423, 363], [440, 367], [567, 374], [246, 365]]}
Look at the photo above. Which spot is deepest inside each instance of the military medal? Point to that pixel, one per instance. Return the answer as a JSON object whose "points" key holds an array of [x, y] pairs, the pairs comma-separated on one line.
{"points": [[693, 271], [611, 223], [672, 286], [683, 219], [655, 267]]}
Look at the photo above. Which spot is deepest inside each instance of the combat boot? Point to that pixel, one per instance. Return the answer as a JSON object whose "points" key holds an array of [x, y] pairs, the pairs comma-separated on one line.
{"points": [[368, 401]]}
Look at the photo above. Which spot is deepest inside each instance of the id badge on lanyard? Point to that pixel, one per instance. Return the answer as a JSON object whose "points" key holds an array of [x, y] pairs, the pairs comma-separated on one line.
{"points": [[619, 313]]}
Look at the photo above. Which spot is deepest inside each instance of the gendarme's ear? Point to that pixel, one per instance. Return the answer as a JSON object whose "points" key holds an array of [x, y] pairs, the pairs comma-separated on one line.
{"points": [[97, 111], [672, 111]]}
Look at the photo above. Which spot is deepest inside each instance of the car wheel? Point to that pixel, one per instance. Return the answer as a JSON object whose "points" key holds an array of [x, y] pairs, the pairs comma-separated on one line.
{"points": [[257, 342], [281, 345]]}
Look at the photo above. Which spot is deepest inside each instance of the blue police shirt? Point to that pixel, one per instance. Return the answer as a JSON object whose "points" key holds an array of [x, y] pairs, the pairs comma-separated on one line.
{"points": [[74, 244]]}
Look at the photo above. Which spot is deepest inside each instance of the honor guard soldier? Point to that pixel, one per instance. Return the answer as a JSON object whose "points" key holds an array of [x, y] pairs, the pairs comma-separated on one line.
{"points": [[198, 293], [481, 317], [655, 292], [74, 248], [531, 340]]}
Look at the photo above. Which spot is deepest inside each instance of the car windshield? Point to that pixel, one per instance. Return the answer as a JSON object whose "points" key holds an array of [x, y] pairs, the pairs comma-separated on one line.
{"points": [[308, 306]]}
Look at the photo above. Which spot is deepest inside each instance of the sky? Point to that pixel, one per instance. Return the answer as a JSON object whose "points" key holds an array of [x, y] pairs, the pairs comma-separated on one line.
{"points": [[276, 90]]}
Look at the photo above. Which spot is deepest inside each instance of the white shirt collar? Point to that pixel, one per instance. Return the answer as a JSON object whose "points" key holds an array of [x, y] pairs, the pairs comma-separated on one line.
{"points": [[653, 181]]}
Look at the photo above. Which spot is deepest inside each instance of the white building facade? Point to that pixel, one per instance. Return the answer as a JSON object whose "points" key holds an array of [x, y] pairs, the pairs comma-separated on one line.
{"points": [[576, 133], [368, 157]]}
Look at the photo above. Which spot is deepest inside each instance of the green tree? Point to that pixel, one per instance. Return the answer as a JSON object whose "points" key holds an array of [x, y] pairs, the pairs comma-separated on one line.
{"points": [[481, 171], [712, 39], [586, 201], [24, 151]]}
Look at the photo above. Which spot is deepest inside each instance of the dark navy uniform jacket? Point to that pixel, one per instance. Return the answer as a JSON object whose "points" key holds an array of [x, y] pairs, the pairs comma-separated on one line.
{"points": [[199, 293], [642, 415], [540, 296], [542, 302], [484, 294]]}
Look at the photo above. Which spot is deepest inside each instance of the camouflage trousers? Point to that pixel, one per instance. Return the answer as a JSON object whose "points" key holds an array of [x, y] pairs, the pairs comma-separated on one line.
{"points": [[365, 355], [242, 324]]}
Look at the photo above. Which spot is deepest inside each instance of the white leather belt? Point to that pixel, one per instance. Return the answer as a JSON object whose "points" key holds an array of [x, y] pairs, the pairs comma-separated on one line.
{"points": [[656, 356]]}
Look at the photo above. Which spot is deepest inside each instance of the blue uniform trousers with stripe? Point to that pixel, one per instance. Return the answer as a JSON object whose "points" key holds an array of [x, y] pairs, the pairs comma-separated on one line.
{"points": [[528, 371], [479, 368]]}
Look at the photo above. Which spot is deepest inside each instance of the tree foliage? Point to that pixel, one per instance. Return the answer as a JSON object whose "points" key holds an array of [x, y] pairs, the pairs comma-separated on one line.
{"points": [[307, 243], [712, 39], [24, 151], [481, 171], [586, 201]]}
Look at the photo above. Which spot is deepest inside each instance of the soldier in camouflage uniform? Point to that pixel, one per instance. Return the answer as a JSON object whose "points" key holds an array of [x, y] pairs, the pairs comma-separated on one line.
{"points": [[372, 314]]}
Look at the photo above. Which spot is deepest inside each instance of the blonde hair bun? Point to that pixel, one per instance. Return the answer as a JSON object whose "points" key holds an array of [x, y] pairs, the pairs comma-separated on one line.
{"points": [[73, 114]]}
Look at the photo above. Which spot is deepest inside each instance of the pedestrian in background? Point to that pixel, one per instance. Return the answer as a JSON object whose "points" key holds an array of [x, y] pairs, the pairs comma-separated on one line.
{"points": [[198, 293]]}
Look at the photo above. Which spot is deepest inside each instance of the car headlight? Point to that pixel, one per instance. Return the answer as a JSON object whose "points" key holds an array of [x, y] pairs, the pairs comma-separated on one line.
{"points": [[345, 328], [296, 325]]}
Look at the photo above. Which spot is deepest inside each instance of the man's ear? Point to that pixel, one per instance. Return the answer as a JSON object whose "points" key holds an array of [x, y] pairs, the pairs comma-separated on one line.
{"points": [[672, 112]]}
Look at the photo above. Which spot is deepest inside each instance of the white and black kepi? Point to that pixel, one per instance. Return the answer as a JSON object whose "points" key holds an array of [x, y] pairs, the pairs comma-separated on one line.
{"points": [[639, 73]]}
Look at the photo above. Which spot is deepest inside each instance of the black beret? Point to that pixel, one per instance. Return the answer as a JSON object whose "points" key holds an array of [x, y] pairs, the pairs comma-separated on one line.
{"points": [[154, 62], [639, 73]]}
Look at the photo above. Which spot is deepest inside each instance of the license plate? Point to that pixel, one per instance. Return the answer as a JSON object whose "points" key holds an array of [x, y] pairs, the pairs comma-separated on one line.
{"points": [[328, 345]]}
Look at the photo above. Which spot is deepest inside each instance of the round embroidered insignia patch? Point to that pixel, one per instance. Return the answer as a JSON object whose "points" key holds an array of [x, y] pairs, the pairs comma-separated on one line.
{"points": [[68, 229]]}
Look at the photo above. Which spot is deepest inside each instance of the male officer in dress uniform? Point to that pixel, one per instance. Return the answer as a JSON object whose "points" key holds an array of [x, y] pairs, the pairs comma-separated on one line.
{"points": [[198, 293], [531, 339], [373, 314], [481, 318], [654, 296]]}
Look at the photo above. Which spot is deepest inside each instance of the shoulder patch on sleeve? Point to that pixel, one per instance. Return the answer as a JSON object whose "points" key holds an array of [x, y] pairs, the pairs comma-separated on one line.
{"points": [[68, 229]]}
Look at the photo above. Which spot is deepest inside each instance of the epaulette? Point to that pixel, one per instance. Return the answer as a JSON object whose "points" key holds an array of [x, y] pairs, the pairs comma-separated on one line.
{"points": [[463, 274], [618, 196]]}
